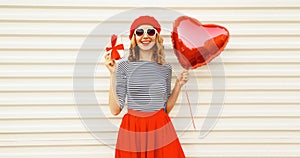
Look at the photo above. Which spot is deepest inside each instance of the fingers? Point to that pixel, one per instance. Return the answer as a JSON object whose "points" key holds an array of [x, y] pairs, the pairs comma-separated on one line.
{"points": [[112, 62], [106, 56], [108, 60], [109, 63], [185, 75]]}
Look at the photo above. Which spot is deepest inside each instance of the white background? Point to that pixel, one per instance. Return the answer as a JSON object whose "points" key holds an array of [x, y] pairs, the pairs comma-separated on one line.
{"points": [[39, 41]]}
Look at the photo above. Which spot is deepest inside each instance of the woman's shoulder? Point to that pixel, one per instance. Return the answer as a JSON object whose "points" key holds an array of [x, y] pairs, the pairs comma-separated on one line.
{"points": [[123, 62], [122, 65], [168, 65]]}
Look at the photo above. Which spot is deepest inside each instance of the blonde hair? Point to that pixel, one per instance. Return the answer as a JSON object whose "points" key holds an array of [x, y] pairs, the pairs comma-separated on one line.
{"points": [[158, 50]]}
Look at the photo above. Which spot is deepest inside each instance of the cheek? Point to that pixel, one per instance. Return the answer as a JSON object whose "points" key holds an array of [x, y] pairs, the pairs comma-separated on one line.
{"points": [[152, 44], [138, 37], [153, 39]]}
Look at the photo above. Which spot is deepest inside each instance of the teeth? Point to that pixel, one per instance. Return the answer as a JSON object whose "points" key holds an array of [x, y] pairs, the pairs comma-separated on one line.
{"points": [[145, 42]]}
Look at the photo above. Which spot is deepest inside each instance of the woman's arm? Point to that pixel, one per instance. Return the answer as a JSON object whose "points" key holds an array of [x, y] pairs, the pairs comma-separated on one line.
{"points": [[180, 81], [113, 100], [114, 103]]}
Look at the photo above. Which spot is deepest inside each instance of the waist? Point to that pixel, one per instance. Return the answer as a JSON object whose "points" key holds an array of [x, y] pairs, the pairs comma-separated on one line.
{"points": [[140, 113]]}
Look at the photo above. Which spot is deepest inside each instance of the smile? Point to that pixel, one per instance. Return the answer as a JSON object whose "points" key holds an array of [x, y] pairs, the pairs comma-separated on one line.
{"points": [[146, 42]]}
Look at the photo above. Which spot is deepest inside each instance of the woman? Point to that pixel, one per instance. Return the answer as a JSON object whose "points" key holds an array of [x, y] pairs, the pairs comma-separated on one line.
{"points": [[145, 78]]}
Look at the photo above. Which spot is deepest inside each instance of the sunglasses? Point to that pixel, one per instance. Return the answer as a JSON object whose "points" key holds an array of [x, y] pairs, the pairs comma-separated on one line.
{"points": [[150, 32]]}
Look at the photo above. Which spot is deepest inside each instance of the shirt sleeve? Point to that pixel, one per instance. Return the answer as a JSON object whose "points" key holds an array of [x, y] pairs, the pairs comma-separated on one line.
{"points": [[168, 85], [169, 78], [121, 82]]}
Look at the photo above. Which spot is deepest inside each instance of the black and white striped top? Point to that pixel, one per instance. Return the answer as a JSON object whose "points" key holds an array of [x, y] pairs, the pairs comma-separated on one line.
{"points": [[146, 84]]}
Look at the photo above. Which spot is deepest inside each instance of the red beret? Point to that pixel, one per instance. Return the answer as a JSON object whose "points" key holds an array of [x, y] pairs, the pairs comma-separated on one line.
{"points": [[144, 20]]}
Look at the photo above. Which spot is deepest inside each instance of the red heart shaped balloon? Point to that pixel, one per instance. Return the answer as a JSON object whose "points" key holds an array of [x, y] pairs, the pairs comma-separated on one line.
{"points": [[196, 44]]}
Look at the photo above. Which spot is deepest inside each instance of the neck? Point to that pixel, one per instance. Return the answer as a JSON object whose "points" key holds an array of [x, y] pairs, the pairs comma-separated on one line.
{"points": [[146, 54]]}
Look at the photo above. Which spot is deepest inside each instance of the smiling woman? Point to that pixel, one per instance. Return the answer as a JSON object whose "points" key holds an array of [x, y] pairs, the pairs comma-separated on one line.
{"points": [[145, 78]]}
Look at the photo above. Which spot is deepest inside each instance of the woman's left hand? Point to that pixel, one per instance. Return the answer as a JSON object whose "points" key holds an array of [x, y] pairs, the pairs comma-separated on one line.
{"points": [[183, 77]]}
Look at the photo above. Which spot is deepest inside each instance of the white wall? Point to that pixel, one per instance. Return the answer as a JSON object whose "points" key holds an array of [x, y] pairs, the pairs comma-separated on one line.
{"points": [[39, 42]]}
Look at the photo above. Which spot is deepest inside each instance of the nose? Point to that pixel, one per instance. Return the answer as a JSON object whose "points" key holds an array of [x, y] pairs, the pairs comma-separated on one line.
{"points": [[145, 35]]}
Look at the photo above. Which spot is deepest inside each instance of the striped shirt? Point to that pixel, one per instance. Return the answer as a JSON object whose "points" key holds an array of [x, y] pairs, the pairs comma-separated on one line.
{"points": [[145, 84]]}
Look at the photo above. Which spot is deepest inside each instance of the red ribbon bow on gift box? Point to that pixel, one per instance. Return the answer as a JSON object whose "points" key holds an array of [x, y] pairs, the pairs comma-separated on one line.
{"points": [[114, 48]]}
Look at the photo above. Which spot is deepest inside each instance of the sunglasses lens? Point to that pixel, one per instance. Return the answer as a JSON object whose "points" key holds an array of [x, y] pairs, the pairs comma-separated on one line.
{"points": [[151, 32], [139, 32]]}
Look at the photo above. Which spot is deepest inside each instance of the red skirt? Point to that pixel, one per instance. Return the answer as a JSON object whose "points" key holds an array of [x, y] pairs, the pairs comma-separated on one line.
{"points": [[147, 135]]}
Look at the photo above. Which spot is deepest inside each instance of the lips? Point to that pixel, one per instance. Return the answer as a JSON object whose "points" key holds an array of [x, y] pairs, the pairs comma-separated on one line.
{"points": [[146, 42]]}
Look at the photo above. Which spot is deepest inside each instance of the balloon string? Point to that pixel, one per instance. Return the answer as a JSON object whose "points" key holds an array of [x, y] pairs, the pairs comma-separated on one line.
{"points": [[187, 96]]}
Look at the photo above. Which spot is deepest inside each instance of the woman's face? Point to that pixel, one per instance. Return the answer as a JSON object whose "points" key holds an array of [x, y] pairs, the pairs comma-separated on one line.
{"points": [[145, 36]]}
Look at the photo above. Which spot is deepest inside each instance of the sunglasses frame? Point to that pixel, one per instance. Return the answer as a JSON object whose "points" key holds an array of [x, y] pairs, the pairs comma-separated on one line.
{"points": [[145, 30]]}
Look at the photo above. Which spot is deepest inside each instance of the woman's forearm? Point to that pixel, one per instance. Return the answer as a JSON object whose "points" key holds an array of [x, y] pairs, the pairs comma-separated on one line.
{"points": [[173, 97], [113, 99]]}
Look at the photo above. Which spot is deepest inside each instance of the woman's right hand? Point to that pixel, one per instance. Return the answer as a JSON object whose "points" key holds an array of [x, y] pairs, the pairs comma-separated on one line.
{"points": [[183, 77], [109, 63]]}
